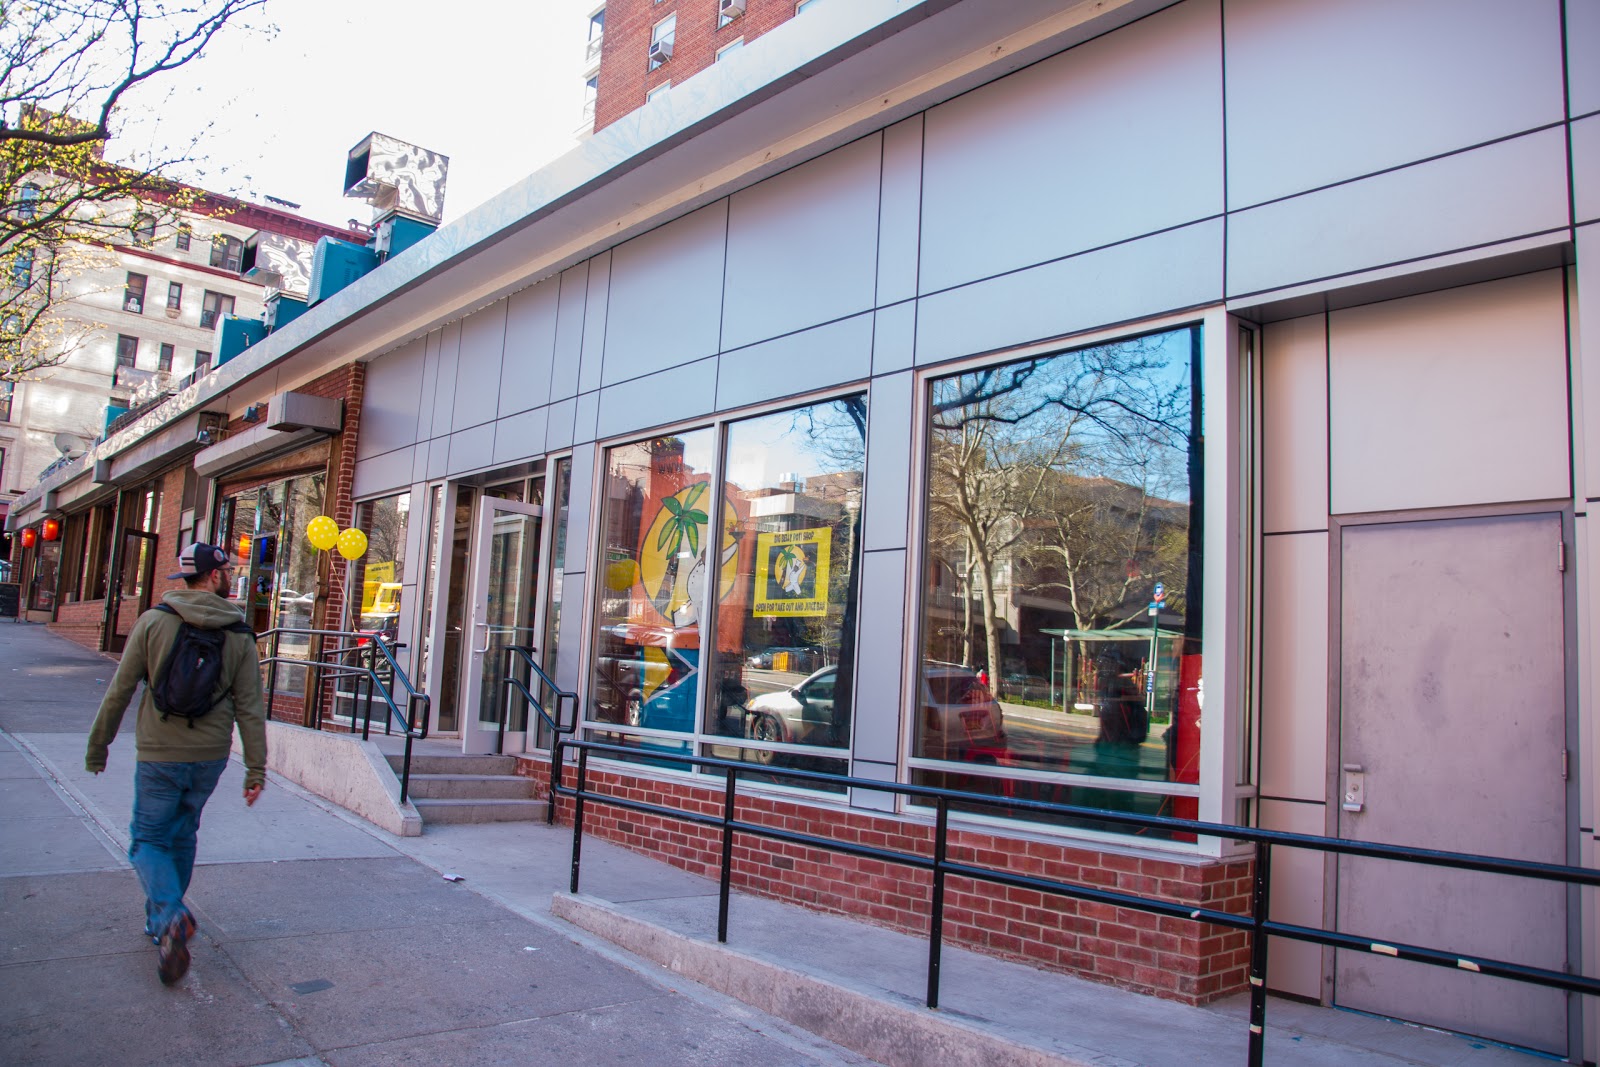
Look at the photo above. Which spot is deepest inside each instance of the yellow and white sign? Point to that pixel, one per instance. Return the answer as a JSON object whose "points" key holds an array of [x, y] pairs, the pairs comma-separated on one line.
{"points": [[792, 573]]}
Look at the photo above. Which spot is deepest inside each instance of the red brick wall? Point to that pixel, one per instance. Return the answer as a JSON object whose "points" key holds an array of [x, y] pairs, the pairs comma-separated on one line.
{"points": [[624, 58], [82, 622], [1178, 959]]}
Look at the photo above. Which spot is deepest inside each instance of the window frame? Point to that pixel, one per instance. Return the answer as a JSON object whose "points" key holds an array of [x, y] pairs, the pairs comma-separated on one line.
{"points": [[164, 357], [174, 296], [227, 252], [130, 357], [143, 229], [181, 238], [699, 739], [1228, 526], [727, 49], [224, 305], [133, 293], [656, 37]]}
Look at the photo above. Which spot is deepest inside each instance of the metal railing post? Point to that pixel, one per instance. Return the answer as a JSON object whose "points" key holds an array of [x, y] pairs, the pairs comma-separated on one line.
{"points": [[372, 680], [272, 674], [936, 919], [730, 784], [1260, 902], [555, 780], [577, 816]]}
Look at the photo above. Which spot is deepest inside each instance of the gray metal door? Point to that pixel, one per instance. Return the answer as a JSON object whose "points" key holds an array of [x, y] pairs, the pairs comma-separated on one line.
{"points": [[1452, 679]]}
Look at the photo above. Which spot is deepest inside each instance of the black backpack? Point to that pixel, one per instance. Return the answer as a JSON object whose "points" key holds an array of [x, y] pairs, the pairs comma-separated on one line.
{"points": [[193, 670]]}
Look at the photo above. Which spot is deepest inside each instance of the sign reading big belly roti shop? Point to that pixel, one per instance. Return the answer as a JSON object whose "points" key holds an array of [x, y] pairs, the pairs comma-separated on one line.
{"points": [[792, 573]]}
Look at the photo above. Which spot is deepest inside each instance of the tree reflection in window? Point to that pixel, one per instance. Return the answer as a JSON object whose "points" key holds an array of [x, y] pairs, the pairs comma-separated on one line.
{"points": [[1063, 544]]}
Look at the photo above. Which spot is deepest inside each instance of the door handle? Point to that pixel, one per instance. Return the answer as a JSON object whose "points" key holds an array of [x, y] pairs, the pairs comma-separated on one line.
{"points": [[486, 641], [1355, 787]]}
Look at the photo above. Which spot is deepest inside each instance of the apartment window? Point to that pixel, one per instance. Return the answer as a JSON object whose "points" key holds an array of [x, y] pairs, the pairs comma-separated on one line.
{"points": [[144, 229], [729, 48], [725, 16], [164, 360], [803, 4], [183, 236], [133, 293], [661, 40], [591, 93], [28, 201], [597, 32], [6, 391], [174, 296], [657, 91], [213, 306], [22, 268], [226, 252], [202, 360], [127, 351]]}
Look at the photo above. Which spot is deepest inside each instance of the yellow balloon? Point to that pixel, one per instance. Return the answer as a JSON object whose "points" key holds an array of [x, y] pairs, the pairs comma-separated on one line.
{"points": [[620, 574], [352, 544], [322, 532]]}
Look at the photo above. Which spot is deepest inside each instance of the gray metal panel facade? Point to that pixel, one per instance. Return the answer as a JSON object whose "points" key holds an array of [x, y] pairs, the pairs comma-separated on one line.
{"points": [[392, 398], [665, 305], [797, 363], [1322, 93], [802, 246], [530, 347], [483, 345], [1454, 202], [1118, 137]]}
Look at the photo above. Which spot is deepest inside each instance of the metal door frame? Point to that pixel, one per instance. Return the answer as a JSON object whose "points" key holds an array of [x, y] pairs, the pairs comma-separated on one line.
{"points": [[1563, 510], [469, 700], [113, 639]]}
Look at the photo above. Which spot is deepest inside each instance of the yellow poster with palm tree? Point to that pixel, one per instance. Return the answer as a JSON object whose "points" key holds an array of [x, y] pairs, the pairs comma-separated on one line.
{"points": [[792, 573], [673, 550]]}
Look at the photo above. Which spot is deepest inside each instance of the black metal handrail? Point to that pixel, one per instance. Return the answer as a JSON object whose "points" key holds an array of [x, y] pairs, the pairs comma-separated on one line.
{"points": [[418, 703], [1256, 923], [525, 654]]}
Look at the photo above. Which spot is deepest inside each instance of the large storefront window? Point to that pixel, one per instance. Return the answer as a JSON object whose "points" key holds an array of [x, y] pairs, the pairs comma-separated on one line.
{"points": [[278, 576], [1061, 640], [376, 578], [776, 583]]}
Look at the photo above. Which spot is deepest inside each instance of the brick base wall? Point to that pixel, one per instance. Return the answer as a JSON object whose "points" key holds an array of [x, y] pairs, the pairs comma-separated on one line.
{"points": [[81, 622], [1178, 959]]}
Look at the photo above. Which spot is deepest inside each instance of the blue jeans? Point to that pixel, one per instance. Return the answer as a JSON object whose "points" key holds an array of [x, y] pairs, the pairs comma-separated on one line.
{"points": [[167, 800]]}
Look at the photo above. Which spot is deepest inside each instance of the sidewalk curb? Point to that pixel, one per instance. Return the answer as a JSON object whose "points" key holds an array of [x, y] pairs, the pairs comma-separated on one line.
{"points": [[892, 1034]]}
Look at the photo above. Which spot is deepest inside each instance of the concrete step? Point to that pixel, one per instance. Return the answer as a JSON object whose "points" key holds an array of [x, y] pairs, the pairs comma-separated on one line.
{"points": [[455, 764], [470, 787], [478, 811]]}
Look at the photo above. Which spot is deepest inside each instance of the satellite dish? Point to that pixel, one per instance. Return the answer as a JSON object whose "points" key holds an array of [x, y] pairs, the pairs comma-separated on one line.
{"points": [[70, 445]]}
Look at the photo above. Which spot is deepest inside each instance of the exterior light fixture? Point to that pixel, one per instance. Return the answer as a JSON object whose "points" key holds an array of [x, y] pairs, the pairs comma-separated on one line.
{"points": [[29, 536], [52, 529]]}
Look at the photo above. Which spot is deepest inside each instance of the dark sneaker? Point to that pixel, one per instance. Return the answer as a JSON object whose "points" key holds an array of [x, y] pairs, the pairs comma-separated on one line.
{"points": [[172, 951]]}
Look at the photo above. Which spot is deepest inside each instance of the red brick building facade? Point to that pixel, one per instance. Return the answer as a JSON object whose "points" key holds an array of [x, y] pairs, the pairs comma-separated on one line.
{"points": [[627, 72]]}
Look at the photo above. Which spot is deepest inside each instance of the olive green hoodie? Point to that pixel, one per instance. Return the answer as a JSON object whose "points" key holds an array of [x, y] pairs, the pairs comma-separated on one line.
{"points": [[175, 741]]}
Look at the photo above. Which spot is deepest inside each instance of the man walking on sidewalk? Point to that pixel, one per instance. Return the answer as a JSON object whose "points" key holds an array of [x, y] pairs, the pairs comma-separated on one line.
{"points": [[196, 640]]}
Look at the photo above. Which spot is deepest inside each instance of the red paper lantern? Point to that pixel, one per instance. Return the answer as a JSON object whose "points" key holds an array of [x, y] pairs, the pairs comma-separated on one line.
{"points": [[52, 529], [29, 536]]}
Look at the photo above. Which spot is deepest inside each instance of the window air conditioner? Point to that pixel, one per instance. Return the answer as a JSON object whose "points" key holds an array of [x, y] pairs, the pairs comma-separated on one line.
{"points": [[730, 9], [661, 51]]}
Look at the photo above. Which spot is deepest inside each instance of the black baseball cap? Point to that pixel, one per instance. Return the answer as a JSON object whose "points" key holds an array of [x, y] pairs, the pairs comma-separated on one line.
{"points": [[198, 559]]}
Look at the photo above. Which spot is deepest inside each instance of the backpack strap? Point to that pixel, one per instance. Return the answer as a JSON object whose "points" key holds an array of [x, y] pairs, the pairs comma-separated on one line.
{"points": [[169, 609]]}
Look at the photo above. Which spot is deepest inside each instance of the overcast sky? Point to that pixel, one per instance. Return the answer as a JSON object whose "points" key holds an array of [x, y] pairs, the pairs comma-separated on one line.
{"points": [[496, 86]]}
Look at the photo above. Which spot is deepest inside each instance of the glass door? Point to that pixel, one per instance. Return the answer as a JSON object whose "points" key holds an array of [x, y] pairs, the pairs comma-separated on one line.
{"points": [[505, 612], [133, 584]]}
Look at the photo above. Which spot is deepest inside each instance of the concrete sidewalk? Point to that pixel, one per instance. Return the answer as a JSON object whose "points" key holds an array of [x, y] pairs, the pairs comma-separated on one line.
{"points": [[504, 966], [320, 942]]}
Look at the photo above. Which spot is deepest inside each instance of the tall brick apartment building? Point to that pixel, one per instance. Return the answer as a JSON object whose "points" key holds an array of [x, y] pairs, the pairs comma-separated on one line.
{"points": [[689, 35], [1172, 406]]}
